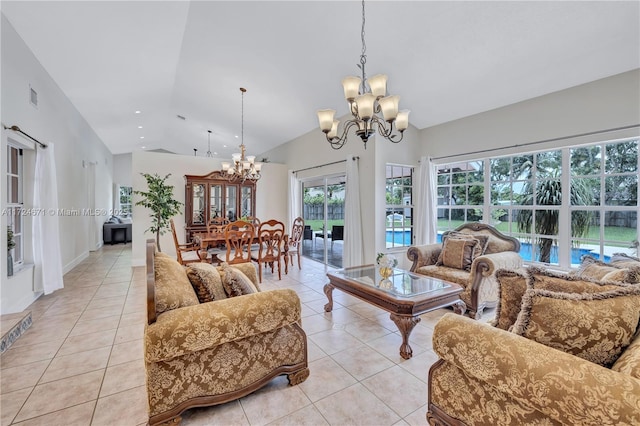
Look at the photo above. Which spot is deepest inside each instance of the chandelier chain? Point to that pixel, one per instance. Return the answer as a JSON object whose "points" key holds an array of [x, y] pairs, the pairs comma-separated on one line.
{"points": [[363, 55]]}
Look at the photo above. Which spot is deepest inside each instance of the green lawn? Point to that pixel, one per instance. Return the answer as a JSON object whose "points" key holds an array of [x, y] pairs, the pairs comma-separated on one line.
{"points": [[316, 225]]}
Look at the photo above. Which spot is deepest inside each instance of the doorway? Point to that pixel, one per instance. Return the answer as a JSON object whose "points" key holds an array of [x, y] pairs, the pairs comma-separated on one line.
{"points": [[323, 214]]}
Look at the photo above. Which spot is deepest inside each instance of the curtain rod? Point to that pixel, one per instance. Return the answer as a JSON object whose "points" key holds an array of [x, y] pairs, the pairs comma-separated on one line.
{"points": [[327, 164], [539, 142], [17, 129]]}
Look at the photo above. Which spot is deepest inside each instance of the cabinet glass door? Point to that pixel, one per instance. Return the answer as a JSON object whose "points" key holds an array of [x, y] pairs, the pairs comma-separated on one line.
{"points": [[246, 201], [199, 203], [231, 202], [215, 199]]}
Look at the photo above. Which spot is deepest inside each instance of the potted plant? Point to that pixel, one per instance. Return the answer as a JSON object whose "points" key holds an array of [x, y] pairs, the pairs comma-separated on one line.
{"points": [[10, 245], [158, 199]]}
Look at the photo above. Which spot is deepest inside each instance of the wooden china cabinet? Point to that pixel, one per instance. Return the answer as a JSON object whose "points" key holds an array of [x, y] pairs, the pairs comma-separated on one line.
{"points": [[212, 195]]}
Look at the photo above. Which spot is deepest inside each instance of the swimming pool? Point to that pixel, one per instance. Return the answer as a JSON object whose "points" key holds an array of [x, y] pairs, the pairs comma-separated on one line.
{"points": [[400, 237]]}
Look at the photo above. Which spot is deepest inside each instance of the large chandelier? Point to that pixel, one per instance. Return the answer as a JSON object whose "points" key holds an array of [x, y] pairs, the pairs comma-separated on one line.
{"points": [[242, 168], [367, 100]]}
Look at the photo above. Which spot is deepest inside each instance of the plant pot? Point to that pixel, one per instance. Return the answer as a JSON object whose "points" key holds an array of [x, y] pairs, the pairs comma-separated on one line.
{"points": [[9, 265]]}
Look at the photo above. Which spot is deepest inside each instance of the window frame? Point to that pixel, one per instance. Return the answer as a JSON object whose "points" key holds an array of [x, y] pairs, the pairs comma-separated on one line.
{"points": [[493, 211], [406, 187], [15, 207]]}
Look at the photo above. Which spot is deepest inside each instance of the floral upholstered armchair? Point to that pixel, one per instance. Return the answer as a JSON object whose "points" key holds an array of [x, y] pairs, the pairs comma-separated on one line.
{"points": [[470, 255], [212, 335]]}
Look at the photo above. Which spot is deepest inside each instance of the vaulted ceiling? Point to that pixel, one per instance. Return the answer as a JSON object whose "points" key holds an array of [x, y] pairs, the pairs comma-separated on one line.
{"points": [[446, 60]]}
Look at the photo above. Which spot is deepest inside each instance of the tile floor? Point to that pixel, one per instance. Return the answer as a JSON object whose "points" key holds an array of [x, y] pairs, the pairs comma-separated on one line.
{"points": [[80, 363]]}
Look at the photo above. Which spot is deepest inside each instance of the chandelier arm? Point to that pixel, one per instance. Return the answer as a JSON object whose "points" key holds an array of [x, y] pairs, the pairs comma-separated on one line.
{"points": [[338, 142], [387, 132]]}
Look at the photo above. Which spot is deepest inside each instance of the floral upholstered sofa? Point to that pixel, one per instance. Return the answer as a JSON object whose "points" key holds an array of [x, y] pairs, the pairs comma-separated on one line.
{"points": [[470, 255], [212, 335], [563, 349]]}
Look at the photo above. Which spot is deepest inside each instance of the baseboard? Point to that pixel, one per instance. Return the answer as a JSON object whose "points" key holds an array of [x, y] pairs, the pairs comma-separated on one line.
{"points": [[75, 262]]}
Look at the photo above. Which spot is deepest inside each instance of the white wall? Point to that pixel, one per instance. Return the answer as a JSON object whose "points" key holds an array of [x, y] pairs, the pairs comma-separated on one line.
{"points": [[55, 120], [271, 193], [600, 105], [122, 169]]}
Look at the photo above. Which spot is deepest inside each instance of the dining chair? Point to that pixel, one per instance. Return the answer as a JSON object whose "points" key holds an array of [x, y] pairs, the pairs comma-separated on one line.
{"points": [[337, 234], [238, 236], [295, 241], [189, 252], [271, 238]]}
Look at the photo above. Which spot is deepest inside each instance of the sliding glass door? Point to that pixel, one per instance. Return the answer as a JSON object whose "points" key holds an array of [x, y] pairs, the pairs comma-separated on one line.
{"points": [[323, 213]]}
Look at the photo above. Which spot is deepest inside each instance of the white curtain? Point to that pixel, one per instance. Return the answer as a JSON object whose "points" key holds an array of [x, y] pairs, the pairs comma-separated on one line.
{"points": [[294, 197], [426, 205], [46, 235], [353, 246]]}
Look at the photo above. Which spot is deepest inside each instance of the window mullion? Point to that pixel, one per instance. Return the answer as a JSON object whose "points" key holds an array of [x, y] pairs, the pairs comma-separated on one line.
{"points": [[564, 232]]}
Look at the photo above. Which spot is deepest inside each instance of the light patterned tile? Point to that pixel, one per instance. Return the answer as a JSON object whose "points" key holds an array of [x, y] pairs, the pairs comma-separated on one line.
{"points": [[362, 361], [123, 377], [308, 416], [229, 414], [23, 376], [76, 363], [275, 400], [356, 405], [122, 409], [127, 351], [11, 403], [400, 390], [54, 396], [76, 415], [326, 377]]}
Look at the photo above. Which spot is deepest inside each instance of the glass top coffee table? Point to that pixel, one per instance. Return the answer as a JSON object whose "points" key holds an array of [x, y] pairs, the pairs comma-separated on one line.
{"points": [[404, 294]]}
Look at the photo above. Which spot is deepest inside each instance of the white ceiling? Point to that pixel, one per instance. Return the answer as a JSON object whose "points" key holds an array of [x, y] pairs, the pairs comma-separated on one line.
{"points": [[446, 60]]}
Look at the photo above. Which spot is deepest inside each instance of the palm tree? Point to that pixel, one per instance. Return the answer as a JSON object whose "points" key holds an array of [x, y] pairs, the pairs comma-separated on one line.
{"points": [[548, 192]]}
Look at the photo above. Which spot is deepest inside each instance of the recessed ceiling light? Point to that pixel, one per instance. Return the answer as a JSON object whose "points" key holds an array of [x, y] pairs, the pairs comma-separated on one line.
{"points": [[215, 153], [141, 137], [139, 127], [236, 136], [224, 146], [138, 112], [143, 147]]}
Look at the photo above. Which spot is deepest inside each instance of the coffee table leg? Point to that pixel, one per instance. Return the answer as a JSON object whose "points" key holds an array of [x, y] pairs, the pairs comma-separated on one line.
{"points": [[405, 325], [328, 291]]}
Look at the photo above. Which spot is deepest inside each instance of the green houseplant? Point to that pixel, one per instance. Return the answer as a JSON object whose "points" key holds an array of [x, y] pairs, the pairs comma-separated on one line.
{"points": [[158, 199], [10, 245]]}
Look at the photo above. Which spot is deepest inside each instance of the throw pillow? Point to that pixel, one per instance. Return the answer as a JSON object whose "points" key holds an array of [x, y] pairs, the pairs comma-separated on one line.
{"points": [[173, 289], [624, 275], [594, 326], [457, 253], [629, 361], [236, 283], [512, 286], [623, 260], [206, 282], [590, 267]]}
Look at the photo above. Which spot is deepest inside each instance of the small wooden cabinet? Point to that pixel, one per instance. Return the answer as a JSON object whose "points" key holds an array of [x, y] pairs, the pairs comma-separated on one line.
{"points": [[212, 195]]}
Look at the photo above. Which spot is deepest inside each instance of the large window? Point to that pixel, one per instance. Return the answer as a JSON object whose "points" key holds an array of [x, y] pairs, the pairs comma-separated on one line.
{"points": [[522, 196], [125, 201], [14, 201], [399, 206]]}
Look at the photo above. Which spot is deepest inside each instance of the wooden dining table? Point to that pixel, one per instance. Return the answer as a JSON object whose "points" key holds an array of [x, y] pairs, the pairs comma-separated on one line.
{"points": [[206, 239]]}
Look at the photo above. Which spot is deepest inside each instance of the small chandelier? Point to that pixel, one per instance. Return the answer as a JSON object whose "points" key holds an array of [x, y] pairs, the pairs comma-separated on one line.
{"points": [[242, 168], [367, 100]]}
